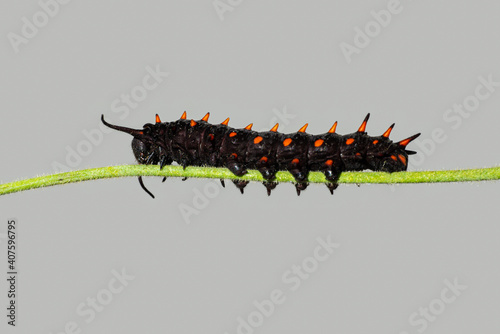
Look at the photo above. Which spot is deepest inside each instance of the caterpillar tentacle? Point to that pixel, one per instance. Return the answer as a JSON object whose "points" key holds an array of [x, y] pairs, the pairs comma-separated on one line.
{"points": [[199, 143]]}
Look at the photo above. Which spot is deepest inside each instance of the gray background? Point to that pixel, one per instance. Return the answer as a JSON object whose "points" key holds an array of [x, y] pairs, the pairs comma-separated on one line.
{"points": [[398, 244]]}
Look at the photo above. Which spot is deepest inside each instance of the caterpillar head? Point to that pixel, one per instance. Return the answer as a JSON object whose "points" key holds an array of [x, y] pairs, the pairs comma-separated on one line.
{"points": [[360, 151], [384, 155], [144, 145]]}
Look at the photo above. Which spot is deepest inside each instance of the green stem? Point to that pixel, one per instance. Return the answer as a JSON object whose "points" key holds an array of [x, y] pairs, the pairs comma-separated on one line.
{"points": [[481, 174]]}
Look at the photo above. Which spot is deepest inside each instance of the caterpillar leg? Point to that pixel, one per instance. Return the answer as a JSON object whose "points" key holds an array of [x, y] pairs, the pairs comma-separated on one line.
{"points": [[268, 172], [332, 187], [300, 173], [299, 186], [332, 175], [270, 185], [240, 184], [236, 168], [164, 161]]}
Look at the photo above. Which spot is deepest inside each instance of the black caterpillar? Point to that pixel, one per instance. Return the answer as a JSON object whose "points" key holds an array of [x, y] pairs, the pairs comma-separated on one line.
{"points": [[199, 143]]}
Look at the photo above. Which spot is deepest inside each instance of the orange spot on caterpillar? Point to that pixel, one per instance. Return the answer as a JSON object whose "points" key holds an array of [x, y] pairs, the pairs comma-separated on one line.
{"points": [[232, 134], [211, 136], [318, 142], [393, 157], [329, 162], [295, 161], [257, 139], [375, 142], [287, 141], [263, 159], [349, 141], [234, 155]]}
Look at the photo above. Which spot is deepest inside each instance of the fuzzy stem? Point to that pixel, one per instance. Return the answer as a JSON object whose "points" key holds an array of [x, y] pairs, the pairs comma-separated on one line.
{"points": [[481, 174]]}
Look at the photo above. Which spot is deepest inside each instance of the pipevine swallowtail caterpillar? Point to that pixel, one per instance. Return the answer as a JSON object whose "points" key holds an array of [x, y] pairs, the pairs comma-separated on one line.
{"points": [[199, 143]]}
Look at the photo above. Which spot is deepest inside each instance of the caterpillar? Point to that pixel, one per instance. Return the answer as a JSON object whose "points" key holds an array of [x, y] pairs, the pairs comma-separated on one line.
{"points": [[199, 143]]}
